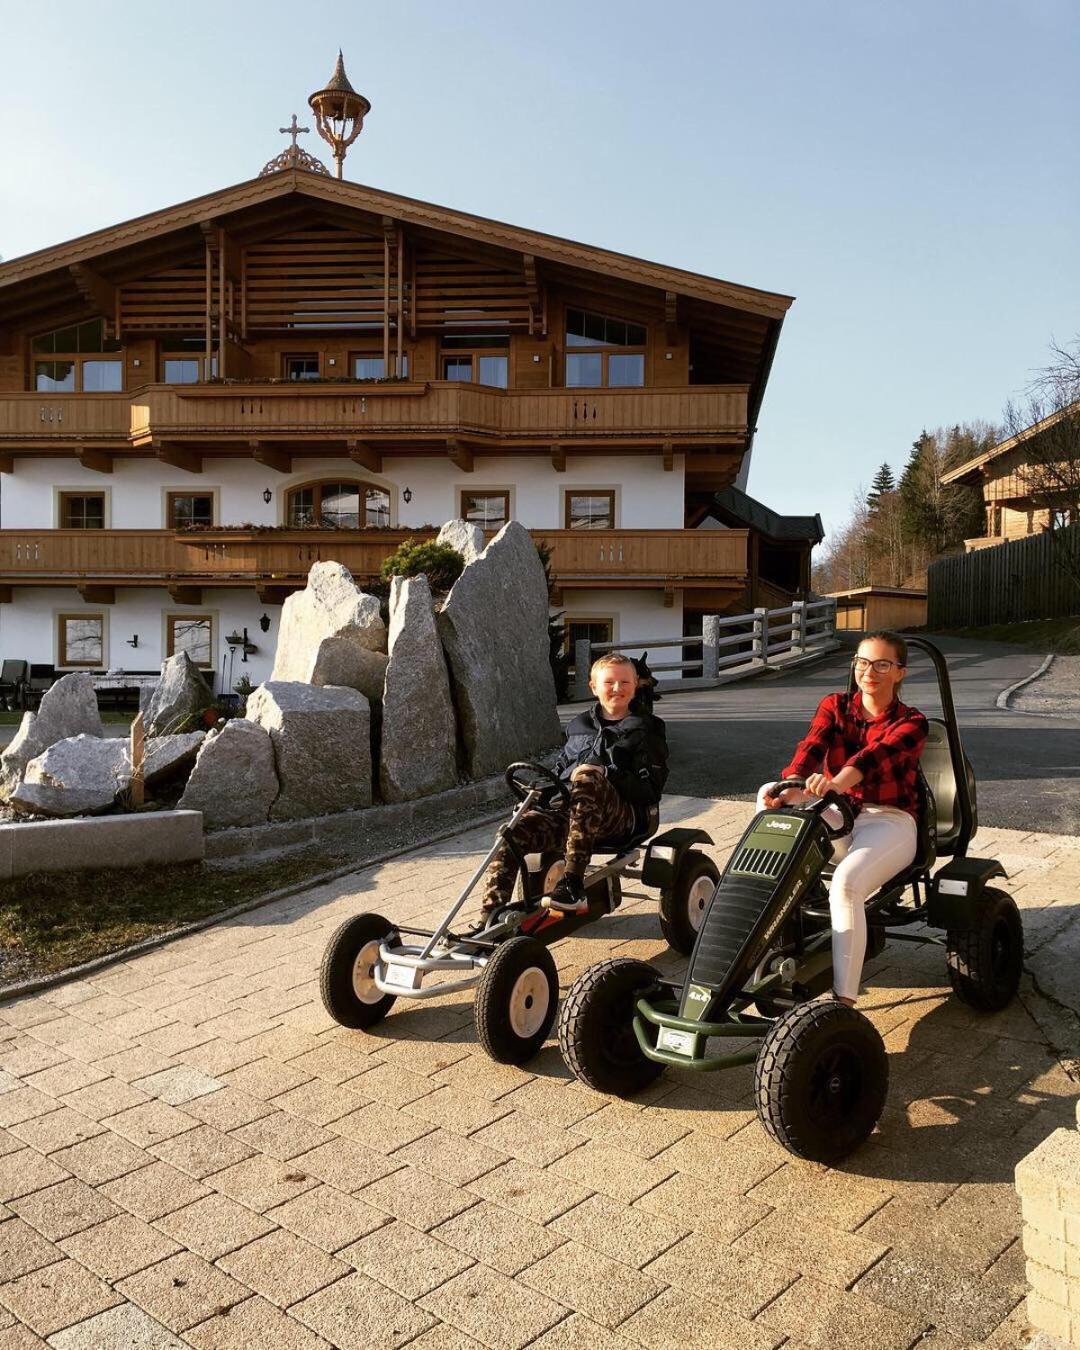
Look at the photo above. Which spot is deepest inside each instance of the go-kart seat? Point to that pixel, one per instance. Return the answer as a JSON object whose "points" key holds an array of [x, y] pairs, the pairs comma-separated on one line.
{"points": [[648, 828]]}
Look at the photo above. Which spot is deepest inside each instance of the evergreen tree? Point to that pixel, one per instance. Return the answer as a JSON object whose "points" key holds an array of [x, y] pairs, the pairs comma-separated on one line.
{"points": [[883, 482]]}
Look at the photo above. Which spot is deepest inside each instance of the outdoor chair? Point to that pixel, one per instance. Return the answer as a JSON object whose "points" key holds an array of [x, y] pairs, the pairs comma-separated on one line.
{"points": [[13, 680], [41, 678]]}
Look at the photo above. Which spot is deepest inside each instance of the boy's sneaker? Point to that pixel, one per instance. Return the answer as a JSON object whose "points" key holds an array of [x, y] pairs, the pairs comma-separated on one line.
{"points": [[567, 896]]}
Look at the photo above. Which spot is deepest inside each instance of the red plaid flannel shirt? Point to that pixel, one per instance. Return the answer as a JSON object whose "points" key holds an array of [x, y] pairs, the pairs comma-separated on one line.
{"points": [[885, 749]]}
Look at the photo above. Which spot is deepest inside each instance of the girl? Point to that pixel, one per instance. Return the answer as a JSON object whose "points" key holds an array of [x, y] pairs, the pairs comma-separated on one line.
{"points": [[866, 745]]}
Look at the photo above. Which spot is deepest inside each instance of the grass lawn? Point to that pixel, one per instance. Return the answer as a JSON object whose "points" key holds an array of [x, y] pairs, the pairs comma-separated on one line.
{"points": [[1044, 635], [51, 922], [12, 719]]}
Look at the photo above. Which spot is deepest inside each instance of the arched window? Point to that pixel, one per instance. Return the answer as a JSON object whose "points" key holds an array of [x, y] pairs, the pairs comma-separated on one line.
{"points": [[337, 505]]}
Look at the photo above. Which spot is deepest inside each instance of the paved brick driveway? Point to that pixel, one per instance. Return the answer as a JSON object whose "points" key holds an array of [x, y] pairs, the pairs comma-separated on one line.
{"points": [[192, 1153]]}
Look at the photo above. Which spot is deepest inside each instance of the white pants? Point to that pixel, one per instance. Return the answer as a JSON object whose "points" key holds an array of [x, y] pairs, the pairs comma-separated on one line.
{"points": [[883, 841]]}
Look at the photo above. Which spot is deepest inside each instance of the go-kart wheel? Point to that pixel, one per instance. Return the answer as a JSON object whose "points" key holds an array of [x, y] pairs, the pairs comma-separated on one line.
{"points": [[346, 980], [596, 1032], [821, 1080], [985, 963], [682, 908], [516, 1000]]}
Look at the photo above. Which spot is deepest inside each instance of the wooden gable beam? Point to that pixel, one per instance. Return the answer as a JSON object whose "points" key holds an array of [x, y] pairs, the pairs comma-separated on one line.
{"points": [[181, 593], [102, 295], [6, 594], [461, 455], [178, 456], [97, 594], [669, 456], [537, 308], [269, 594], [365, 455], [558, 458], [98, 460], [7, 462], [271, 456], [671, 318]]}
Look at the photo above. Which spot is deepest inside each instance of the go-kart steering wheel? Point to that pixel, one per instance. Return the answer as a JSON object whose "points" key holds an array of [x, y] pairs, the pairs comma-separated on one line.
{"points": [[521, 787], [817, 808]]}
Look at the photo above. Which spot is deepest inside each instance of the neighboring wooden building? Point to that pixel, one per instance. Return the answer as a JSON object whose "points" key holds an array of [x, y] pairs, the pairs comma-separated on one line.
{"points": [[197, 404], [865, 609], [1015, 507]]}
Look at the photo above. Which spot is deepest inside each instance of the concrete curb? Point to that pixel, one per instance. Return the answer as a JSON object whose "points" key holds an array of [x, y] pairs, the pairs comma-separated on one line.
{"points": [[1002, 700]]}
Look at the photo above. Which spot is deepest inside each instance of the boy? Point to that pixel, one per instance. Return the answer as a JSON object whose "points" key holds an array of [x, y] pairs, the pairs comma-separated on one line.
{"points": [[615, 763]]}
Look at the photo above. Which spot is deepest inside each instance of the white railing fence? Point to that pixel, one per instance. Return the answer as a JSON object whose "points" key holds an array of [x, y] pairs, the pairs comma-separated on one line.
{"points": [[730, 645]]}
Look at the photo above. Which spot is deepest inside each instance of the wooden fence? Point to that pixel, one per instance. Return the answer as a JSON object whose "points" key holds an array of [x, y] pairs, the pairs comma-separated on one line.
{"points": [[1019, 580]]}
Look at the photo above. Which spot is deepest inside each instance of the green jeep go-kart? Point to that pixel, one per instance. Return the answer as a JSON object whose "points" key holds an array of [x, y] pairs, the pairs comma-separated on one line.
{"points": [[764, 942]]}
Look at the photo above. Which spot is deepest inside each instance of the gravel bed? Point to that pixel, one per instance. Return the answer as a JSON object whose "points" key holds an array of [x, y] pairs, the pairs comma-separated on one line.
{"points": [[1055, 694]]}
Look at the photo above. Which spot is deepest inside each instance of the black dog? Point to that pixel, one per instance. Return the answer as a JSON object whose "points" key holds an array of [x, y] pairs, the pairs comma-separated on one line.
{"points": [[647, 693]]}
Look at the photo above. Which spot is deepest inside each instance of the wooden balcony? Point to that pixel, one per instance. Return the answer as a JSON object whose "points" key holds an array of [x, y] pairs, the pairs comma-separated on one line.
{"points": [[402, 418], [277, 561]]}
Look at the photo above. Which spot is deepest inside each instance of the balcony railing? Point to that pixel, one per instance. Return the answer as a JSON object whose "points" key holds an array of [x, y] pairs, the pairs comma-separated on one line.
{"points": [[212, 414], [602, 558]]}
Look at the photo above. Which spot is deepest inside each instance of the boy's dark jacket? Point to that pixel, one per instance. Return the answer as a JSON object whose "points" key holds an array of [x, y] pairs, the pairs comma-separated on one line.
{"points": [[633, 753]]}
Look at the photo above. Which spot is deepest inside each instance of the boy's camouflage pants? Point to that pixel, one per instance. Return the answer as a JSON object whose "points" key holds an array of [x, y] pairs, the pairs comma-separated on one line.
{"points": [[596, 812]]}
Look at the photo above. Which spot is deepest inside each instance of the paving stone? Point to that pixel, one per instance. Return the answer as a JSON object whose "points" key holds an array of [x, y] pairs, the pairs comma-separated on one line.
{"points": [[282, 1267], [602, 1167], [345, 1165], [26, 1170], [835, 1257], [103, 1158], [393, 1085], [442, 1337], [24, 1103], [449, 1157], [214, 1225], [717, 1275], [262, 1183], [482, 1077], [575, 1332], [497, 1237], [118, 1247], [150, 1123], [955, 1241], [254, 1323], [105, 1098], [23, 1250], [335, 1063], [59, 1129], [175, 1038], [807, 1192], [178, 1084], [282, 1136], [133, 1063], [405, 1260], [18, 1337], [356, 1313], [381, 1128], [677, 1321], [319, 1102], [265, 1079], [66, 1077], [528, 1139], [218, 1057], [153, 1191], [494, 1310], [966, 1307], [123, 1326], [202, 1151], [30, 1056], [58, 1211], [56, 1297], [603, 1290], [456, 1111], [540, 1196], [617, 1231], [645, 1133], [182, 1290], [837, 1320], [329, 1218], [728, 1165], [421, 1200], [227, 1109]]}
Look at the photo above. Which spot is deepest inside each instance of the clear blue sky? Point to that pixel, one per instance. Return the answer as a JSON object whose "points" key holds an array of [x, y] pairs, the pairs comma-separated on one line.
{"points": [[907, 170]]}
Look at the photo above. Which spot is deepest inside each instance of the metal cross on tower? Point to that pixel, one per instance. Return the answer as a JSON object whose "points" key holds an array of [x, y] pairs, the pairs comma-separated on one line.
{"points": [[293, 130]]}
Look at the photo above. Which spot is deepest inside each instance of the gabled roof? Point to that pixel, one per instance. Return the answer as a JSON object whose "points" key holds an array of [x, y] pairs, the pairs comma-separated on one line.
{"points": [[731, 502], [968, 472], [291, 182]]}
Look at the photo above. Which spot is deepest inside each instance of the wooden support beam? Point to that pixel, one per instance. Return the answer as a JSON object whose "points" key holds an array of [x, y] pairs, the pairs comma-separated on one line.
{"points": [[669, 597], [537, 309], [365, 455], [178, 456], [6, 594], [556, 596], [101, 461], [7, 462], [671, 318], [271, 456], [558, 458], [272, 595], [97, 594], [669, 456], [181, 594], [98, 292], [461, 456]]}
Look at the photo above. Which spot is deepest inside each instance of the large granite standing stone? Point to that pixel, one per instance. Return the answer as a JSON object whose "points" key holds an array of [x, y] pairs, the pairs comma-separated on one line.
{"points": [[79, 776], [419, 730], [179, 698], [322, 746], [467, 539], [494, 629], [68, 708], [234, 781], [168, 756], [332, 633]]}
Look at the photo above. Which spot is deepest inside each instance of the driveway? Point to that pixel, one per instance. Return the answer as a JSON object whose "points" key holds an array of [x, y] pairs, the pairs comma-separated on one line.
{"points": [[726, 742]]}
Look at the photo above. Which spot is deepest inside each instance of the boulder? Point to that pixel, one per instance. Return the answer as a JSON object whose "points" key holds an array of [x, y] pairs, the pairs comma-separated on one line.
{"points": [[79, 776], [68, 708], [167, 756], [146, 697], [180, 697], [322, 746], [234, 781], [467, 539], [332, 633], [419, 730], [494, 630]]}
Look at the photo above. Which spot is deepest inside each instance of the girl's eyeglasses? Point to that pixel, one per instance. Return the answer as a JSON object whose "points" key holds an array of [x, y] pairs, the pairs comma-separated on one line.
{"points": [[882, 667]]}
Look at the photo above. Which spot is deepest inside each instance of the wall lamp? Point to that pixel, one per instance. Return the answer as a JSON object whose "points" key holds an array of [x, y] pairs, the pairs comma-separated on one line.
{"points": [[264, 623], [268, 496], [235, 639], [133, 641], [407, 496]]}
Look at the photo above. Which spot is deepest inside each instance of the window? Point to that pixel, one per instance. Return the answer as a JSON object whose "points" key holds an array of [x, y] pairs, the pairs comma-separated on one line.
{"points": [[191, 633], [591, 630], [304, 366], [69, 372], [590, 510], [338, 506], [1060, 517], [185, 361], [188, 512], [489, 510], [182, 370], [81, 639], [374, 367], [82, 510], [613, 368], [481, 357]]}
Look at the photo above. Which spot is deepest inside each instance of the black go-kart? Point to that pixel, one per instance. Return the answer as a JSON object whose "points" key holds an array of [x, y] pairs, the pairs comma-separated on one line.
{"points": [[764, 943], [370, 962]]}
